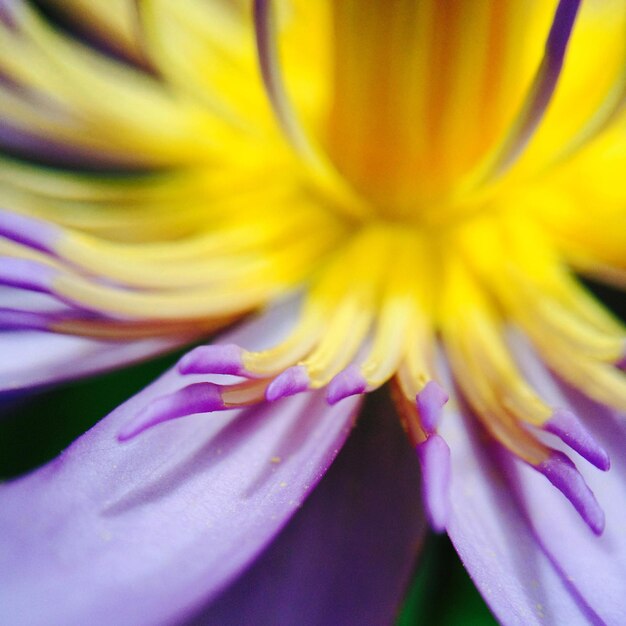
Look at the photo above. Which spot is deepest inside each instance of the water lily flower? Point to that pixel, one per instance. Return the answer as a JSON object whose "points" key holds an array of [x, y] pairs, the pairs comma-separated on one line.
{"points": [[365, 194]]}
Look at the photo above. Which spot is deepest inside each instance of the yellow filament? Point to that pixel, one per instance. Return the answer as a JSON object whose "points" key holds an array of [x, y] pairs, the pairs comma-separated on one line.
{"points": [[603, 383], [497, 401], [417, 368], [367, 264], [119, 330], [569, 343], [231, 297], [243, 394], [296, 346], [398, 310], [536, 290], [407, 412], [246, 247], [95, 91]]}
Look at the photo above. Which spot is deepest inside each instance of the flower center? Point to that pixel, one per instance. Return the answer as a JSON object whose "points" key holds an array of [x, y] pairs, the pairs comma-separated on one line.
{"points": [[430, 102]]}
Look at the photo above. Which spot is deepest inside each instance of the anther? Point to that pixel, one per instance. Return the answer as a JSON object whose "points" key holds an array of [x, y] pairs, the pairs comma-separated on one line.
{"points": [[196, 398], [434, 458], [215, 359], [565, 425], [290, 382], [562, 473]]}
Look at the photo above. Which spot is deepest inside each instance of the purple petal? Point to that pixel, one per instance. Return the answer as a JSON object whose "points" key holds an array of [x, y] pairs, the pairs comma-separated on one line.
{"points": [[596, 566], [29, 231], [346, 557], [144, 532], [34, 359], [496, 542]]}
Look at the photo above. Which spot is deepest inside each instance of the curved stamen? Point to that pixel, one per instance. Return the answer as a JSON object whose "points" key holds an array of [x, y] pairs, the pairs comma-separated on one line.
{"points": [[613, 105], [538, 97], [434, 457], [323, 170], [562, 473]]}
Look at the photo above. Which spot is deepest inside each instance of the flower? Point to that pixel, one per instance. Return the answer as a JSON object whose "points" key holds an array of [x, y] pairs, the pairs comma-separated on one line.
{"points": [[403, 189]]}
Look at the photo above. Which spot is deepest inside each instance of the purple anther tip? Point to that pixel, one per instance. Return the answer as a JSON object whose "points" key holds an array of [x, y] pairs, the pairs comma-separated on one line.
{"points": [[565, 425], [292, 381], [217, 359], [562, 473], [430, 401], [27, 274], [31, 232], [196, 398], [434, 457], [349, 382]]}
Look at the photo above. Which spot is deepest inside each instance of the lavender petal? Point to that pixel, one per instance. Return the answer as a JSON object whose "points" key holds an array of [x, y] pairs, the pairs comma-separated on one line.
{"points": [[495, 541], [346, 556], [596, 566], [147, 531]]}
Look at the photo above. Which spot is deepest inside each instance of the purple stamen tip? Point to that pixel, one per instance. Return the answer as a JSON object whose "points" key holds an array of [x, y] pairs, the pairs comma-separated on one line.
{"points": [[28, 231], [430, 402], [217, 359], [292, 381], [196, 398], [565, 425], [434, 457], [562, 473], [27, 274], [349, 382]]}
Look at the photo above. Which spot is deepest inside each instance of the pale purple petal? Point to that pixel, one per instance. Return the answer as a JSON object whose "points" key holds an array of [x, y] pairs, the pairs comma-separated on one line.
{"points": [[30, 358], [495, 541], [596, 566], [35, 358], [143, 532], [346, 557]]}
